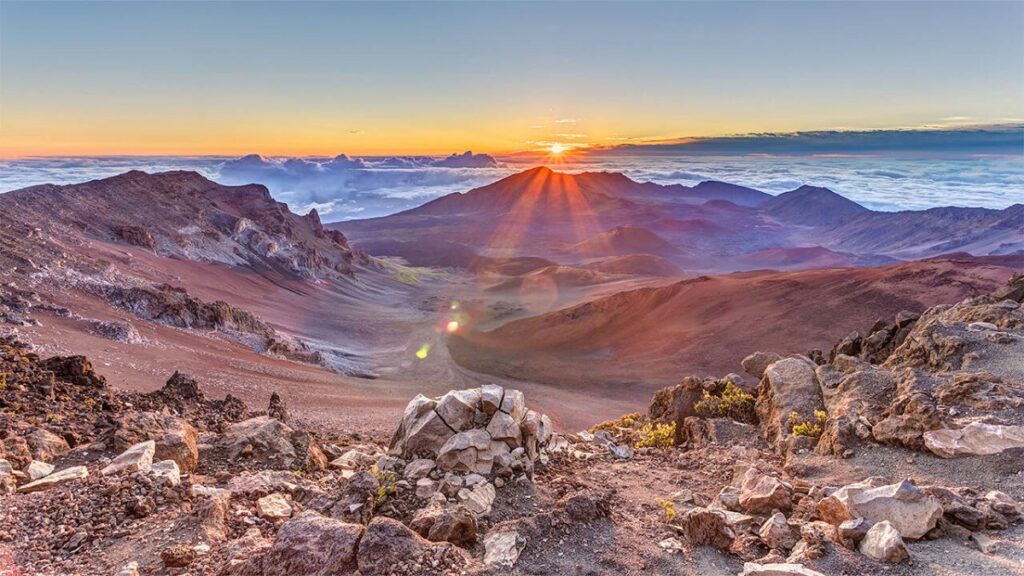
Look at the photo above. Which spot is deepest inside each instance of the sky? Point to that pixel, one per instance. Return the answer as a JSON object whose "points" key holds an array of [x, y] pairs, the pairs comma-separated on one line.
{"points": [[203, 78]]}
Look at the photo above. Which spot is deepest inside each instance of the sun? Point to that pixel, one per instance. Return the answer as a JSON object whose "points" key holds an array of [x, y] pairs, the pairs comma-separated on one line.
{"points": [[557, 149]]}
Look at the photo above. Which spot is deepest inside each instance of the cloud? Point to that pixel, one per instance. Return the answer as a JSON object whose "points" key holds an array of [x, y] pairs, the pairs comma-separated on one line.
{"points": [[943, 142], [566, 121]]}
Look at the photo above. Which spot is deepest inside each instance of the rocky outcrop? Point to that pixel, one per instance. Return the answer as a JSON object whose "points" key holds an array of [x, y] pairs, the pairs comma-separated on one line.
{"points": [[173, 438], [482, 430], [270, 443], [790, 386]]}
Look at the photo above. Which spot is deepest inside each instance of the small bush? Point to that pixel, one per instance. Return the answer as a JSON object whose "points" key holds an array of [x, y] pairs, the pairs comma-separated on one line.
{"points": [[624, 422], [670, 510], [656, 436], [812, 428], [733, 403], [387, 485]]}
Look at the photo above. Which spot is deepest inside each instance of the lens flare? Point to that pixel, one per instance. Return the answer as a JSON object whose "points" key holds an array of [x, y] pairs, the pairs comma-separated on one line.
{"points": [[423, 351], [452, 327]]}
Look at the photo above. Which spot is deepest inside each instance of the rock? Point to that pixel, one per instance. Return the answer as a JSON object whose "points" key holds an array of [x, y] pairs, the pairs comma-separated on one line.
{"points": [[762, 493], [135, 458], [502, 548], [462, 452], [756, 363], [277, 408], [274, 507], [181, 386], [441, 522], [17, 452], [387, 543], [357, 500], [513, 404], [984, 543], [478, 499], [168, 471], [776, 533], [271, 443], [45, 445], [851, 532], [621, 451], [179, 556], [912, 512], [704, 526], [458, 408], [5, 467], [883, 543], [502, 427], [730, 497], [700, 432], [1003, 504], [129, 569], [777, 569], [789, 385], [419, 468], [312, 545], [37, 469], [56, 479], [975, 439], [490, 398], [425, 488], [175, 438]]}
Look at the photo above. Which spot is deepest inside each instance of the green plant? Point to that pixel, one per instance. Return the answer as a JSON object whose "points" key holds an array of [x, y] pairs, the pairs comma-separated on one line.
{"points": [[656, 436], [669, 508], [386, 485], [627, 421], [732, 403], [3, 381], [812, 428]]}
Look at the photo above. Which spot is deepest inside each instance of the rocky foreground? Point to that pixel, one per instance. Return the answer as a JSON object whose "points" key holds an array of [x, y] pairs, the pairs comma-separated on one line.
{"points": [[899, 451]]}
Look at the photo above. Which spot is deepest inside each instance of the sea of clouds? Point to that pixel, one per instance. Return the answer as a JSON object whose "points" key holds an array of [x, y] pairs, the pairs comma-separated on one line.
{"points": [[343, 188]]}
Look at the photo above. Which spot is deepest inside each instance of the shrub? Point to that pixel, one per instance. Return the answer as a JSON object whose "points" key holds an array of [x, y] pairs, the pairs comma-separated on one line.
{"points": [[656, 436], [627, 421], [387, 485], [812, 428], [733, 403], [670, 510]]}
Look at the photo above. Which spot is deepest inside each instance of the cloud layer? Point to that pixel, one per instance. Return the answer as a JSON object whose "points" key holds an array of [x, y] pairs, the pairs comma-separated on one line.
{"points": [[343, 188]]}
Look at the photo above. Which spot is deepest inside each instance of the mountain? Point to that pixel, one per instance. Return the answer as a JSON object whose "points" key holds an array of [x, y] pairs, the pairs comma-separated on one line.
{"points": [[636, 265], [645, 338], [812, 206], [184, 215], [713, 227], [623, 241]]}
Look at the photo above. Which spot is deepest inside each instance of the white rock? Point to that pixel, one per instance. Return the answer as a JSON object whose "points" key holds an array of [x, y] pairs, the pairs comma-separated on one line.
{"points": [[168, 470], [912, 512], [478, 499], [975, 439], [503, 548], [37, 469], [419, 468], [780, 569], [136, 457], [5, 467], [425, 488], [883, 543], [56, 479], [490, 397], [274, 507]]}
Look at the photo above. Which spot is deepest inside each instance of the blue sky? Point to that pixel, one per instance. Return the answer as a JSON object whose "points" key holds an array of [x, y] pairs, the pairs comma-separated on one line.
{"points": [[326, 77]]}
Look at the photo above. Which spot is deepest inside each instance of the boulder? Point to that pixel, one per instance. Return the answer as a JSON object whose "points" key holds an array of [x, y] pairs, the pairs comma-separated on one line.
{"points": [[56, 479], [883, 543], [387, 543], [37, 469], [45, 445], [912, 512], [274, 507], [851, 532], [357, 500], [704, 526], [762, 493], [271, 443], [490, 398], [756, 363], [312, 545], [502, 548], [777, 534], [975, 439], [175, 438], [135, 458], [789, 386], [443, 522]]}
